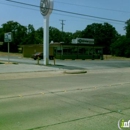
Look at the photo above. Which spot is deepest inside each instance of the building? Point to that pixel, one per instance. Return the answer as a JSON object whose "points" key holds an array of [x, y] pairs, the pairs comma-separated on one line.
{"points": [[77, 51], [67, 51]]}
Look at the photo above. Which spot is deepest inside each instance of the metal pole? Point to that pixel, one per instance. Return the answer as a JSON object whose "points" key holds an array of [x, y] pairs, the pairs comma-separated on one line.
{"points": [[38, 60], [46, 40], [54, 60], [8, 53]]}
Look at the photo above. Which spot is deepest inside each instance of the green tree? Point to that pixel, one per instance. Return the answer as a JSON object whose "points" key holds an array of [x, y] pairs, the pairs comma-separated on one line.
{"points": [[18, 31], [127, 28], [1, 35], [39, 35], [103, 34], [121, 47], [55, 35], [30, 37], [77, 34], [68, 37]]}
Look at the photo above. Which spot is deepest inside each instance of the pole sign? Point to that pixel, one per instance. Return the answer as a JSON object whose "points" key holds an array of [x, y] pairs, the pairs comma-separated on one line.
{"points": [[46, 7], [8, 37]]}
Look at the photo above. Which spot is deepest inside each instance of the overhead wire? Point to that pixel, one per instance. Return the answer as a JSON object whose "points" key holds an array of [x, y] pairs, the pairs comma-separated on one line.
{"points": [[92, 7], [81, 18], [68, 12], [19, 6], [90, 19]]}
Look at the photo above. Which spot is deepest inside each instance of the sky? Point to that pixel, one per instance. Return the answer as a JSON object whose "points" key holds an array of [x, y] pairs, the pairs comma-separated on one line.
{"points": [[117, 10]]}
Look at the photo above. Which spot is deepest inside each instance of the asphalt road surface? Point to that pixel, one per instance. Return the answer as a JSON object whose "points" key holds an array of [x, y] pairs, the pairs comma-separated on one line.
{"points": [[73, 64], [96, 100]]}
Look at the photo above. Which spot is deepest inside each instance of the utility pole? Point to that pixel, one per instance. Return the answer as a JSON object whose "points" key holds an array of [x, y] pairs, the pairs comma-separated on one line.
{"points": [[62, 23]]}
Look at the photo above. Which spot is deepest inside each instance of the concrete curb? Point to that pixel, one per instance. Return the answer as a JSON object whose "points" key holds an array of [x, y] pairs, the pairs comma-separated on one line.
{"points": [[11, 63], [75, 72], [3, 62]]}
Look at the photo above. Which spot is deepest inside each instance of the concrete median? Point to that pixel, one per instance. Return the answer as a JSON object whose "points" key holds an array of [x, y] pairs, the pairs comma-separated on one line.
{"points": [[75, 71]]}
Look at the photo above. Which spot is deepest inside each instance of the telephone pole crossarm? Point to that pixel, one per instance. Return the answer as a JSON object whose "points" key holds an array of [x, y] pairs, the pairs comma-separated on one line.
{"points": [[62, 23]]}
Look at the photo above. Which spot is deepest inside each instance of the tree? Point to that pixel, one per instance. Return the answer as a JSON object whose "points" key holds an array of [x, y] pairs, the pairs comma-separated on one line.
{"points": [[18, 31], [1, 35], [110, 35], [103, 34], [127, 28], [30, 37], [77, 34], [55, 35], [93, 31], [68, 37], [121, 47], [39, 35]]}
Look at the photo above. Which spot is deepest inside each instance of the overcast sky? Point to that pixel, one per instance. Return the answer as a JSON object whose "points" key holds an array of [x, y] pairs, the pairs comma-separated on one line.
{"points": [[110, 9]]}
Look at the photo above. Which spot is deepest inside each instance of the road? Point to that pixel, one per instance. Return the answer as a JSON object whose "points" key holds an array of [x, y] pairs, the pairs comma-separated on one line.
{"points": [[53, 100], [74, 64], [57, 101]]}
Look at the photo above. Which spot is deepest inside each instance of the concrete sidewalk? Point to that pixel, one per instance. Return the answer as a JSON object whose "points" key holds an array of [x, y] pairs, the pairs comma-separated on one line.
{"points": [[14, 68]]}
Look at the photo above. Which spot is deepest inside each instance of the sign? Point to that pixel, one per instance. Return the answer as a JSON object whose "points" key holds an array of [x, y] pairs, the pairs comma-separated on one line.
{"points": [[46, 7], [8, 37], [83, 41]]}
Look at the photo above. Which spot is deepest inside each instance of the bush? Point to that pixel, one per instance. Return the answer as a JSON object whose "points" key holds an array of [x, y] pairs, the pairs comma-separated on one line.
{"points": [[121, 47]]}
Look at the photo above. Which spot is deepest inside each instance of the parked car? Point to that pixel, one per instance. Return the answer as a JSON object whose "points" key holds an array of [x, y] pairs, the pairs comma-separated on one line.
{"points": [[40, 55], [36, 55]]}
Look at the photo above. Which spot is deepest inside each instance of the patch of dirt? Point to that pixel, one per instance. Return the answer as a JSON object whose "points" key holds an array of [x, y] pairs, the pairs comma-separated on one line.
{"points": [[110, 57], [11, 54]]}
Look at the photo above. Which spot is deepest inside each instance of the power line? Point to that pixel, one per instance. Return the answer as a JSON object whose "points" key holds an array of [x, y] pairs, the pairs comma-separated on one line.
{"points": [[68, 12], [19, 6], [93, 7], [64, 14], [90, 19]]}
